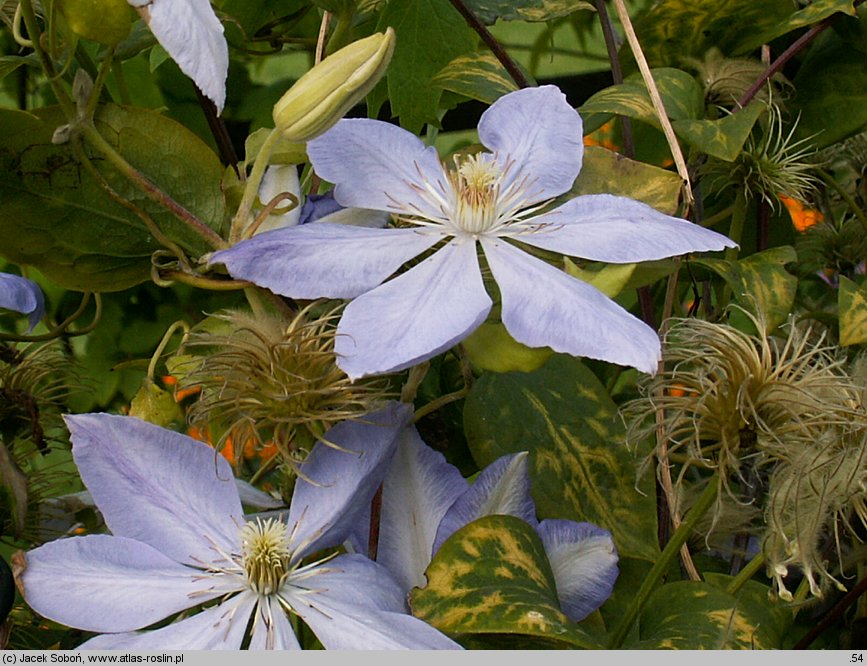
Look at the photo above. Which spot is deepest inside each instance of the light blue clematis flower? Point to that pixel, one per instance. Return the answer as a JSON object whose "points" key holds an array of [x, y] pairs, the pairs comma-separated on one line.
{"points": [[179, 540], [492, 199], [425, 500], [283, 178], [22, 295], [192, 35]]}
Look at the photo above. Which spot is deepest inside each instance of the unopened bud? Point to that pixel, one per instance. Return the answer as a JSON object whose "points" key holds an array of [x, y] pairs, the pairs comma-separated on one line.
{"points": [[325, 93]]}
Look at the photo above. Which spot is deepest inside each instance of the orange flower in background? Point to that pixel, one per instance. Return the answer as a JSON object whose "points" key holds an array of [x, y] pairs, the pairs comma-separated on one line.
{"points": [[249, 451], [179, 394], [604, 136], [802, 216]]}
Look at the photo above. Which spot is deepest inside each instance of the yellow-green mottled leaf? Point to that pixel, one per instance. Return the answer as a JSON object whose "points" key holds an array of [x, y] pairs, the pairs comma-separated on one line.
{"points": [[816, 11], [477, 76], [579, 464], [852, 305], [488, 11], [58, 217], [607, 172], [492, 577], [490, 347], [760, 283], [688, 615], [680, 92], [671, 30], [721, 138]]}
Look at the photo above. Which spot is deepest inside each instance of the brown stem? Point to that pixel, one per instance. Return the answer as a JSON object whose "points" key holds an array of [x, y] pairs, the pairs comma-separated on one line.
{"points": [[491, 42], [616, 71], [787, 55], [219, 131], [777, 65], [833, 615], [375, 515]]}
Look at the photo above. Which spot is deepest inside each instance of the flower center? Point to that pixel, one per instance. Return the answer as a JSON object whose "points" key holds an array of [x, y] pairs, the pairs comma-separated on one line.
{"points": [[265, 554], [476, 182]]}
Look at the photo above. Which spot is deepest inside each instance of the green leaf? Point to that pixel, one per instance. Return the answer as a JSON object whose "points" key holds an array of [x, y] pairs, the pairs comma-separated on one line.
{"points": [[607, 172], [721, 138], [852, 305], [688, 615], [488, 11], [10, 63], [579, 464], [477, 75], [610, 279], [831, 91], [490, 347], [673, 30], [492, 577], [430, 34], [760, 283], [58, 218]]}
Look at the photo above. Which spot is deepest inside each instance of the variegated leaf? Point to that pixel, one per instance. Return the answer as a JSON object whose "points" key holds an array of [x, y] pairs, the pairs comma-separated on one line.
{"points": [[760, 283], [607, 172], [852, 306], [672, 30], [681, 95], [477, 75], [488, 11], [688, 615], [816, 11], [580, 466], [721, 138], [492, 577]]}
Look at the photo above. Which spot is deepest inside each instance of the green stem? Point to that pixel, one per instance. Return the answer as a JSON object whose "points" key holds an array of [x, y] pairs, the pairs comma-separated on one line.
{"points": [[340, 37], [99, 82], [241, 221], [62, 328], [862, 218], [440, 402], [180, 324], [746, 574], [736, 230], [35, 35], [705, 501], [717, 217], [120, 79]]}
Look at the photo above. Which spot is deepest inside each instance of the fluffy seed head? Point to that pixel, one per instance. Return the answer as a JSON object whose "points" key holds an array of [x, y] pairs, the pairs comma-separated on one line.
{"points": [[270, 380]]}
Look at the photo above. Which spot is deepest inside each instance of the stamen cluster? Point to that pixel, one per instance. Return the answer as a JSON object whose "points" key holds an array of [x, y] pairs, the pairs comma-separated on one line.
{"points": [[265, 554]]}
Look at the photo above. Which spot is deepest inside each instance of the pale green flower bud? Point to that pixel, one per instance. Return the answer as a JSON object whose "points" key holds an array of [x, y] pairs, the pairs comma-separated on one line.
{"points": [[325, 93]]}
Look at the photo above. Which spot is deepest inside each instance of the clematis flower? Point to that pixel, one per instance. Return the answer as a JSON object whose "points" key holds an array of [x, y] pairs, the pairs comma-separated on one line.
{"points": [[316, 207], [425, 500], [192, 35], [22, 295], [492, 199], [179, 540]]}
